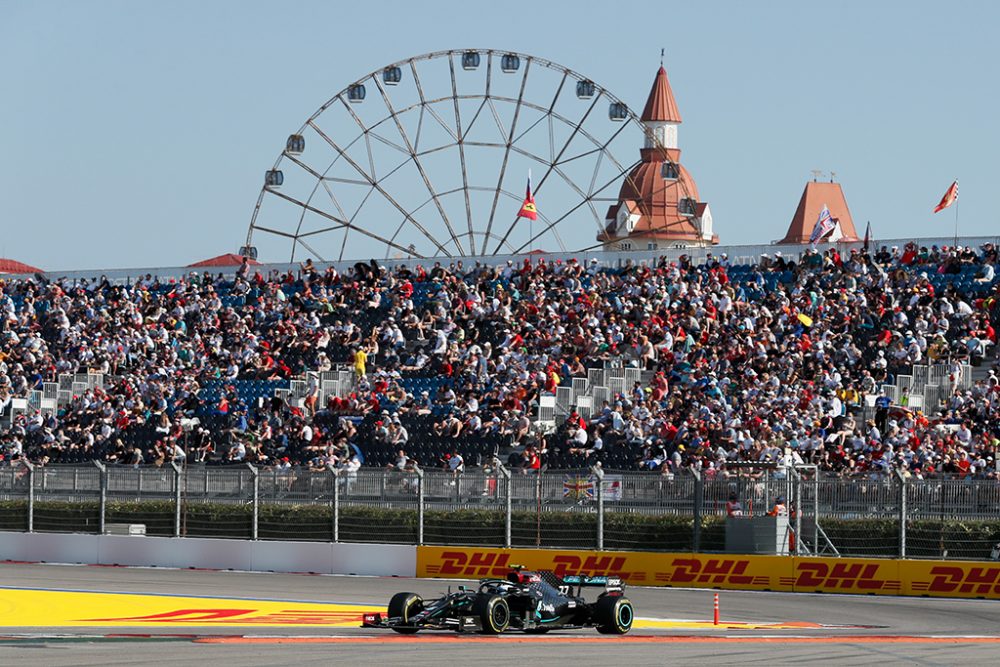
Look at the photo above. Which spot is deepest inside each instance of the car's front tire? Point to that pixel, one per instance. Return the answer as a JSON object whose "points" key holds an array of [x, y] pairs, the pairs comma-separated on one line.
{"points": [[614, 615], [493, 612], [405, 606]]}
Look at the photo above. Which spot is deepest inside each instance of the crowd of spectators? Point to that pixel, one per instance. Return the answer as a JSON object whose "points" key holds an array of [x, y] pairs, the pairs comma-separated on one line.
{"points": [[770, 361]]}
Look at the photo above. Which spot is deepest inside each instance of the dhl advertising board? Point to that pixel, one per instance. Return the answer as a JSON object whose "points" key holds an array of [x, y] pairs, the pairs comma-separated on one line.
{"points": [[727, 571]]}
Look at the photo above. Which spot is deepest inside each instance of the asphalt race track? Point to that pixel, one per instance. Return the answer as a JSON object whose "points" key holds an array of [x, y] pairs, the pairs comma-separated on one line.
{"points": [[756, 627]]}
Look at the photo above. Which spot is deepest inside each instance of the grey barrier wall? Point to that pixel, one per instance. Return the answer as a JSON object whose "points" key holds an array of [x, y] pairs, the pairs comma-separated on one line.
{"points": [[880, 515], [738, 254], [243, 555]]}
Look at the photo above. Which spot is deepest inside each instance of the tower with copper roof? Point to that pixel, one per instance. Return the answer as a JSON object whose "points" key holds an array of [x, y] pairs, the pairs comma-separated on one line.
{"points": [[815, 196], [658, 204]]}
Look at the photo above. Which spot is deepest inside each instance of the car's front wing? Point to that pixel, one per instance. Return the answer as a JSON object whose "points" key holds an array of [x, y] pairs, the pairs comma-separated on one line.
{"points": [[454, 623]]}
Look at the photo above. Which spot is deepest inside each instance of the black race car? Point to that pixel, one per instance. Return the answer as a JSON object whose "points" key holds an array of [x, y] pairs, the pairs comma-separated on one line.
{"points": [[533, 602]]}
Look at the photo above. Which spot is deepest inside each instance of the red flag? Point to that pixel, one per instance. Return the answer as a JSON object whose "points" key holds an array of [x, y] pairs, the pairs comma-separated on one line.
{"points": [[949, 197], [528, 209]]}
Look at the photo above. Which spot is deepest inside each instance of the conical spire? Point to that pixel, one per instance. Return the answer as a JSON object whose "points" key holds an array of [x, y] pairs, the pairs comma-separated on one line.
{"points": [[814, 198], [655, 206], [661, 105]]}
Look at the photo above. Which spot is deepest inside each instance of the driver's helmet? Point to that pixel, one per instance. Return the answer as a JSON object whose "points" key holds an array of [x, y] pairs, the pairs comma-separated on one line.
{"points": [[521, 577]]}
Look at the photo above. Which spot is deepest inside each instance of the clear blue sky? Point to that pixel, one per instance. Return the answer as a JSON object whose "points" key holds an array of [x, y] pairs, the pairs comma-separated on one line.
{"points": [[136, 133]]}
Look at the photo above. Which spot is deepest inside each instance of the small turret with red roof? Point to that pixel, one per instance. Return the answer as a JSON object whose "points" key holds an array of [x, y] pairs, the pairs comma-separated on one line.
{"points": [[658, 204]]}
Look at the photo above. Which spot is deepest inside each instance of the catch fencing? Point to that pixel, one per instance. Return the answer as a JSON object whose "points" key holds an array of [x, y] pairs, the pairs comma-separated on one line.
{"points": [[877, 515]]}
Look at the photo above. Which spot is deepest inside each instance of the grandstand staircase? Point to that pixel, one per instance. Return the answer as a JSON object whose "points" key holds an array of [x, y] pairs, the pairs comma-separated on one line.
{"points": [[925, 387], [982, 371], [53, 395], [585, 395]]}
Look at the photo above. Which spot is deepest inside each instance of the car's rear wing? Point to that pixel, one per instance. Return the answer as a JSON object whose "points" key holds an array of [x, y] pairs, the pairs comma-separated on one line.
{"points": [[609, 583]]}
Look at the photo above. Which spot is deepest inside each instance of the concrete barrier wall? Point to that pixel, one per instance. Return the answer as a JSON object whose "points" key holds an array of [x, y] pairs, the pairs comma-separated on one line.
{"points": [[868, 576], [189, 552]]}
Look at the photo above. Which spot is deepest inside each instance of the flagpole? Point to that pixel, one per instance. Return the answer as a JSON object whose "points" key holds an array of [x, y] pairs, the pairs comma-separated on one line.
{"points": [[531, 221], [956, 222]]}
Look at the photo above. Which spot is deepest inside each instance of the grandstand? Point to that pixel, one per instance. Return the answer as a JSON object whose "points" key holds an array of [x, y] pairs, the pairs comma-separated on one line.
{"points": [[861, 363]]}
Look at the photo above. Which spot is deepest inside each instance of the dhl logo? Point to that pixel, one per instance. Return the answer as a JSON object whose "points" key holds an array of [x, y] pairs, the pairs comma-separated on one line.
{"points": [[473, 564], [954, 579], [846, 576], [496, 564], [712, 571], [593, 566]]}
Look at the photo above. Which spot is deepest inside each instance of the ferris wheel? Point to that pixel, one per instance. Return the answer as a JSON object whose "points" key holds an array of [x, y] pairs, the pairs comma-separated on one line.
{"points": [[429, 158]]}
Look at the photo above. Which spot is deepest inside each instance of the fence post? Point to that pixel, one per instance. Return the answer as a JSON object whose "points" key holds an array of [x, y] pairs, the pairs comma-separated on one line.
{"points": [[177, 498], [508, 503], [336, 504], [797, 495], [103, 471], [902, 513], [599, 474], [699, 494], [815, 527], [31, 495], [420, 505], [538, 504], [255, 480], [768, 498]]}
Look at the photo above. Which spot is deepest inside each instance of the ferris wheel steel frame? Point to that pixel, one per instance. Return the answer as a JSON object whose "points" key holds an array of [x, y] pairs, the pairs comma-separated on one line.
{"points": [[347, 222]]}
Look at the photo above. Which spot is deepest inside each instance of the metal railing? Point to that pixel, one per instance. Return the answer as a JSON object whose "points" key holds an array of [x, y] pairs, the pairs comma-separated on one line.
{"points": [[493, 506]]}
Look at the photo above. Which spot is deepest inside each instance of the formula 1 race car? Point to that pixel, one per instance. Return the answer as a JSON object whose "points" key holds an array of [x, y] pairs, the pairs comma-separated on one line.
{"points": [[533, 602]]}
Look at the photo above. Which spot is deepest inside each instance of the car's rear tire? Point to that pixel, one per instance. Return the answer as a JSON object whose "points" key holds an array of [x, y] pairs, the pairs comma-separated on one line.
{"points": [[405, 606], [493, 612], [614, 615]]}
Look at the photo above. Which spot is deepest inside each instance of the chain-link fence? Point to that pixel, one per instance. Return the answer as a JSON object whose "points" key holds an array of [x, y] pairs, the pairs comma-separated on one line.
{"points": [[879, 515], [473, 504], [372, 505]]}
